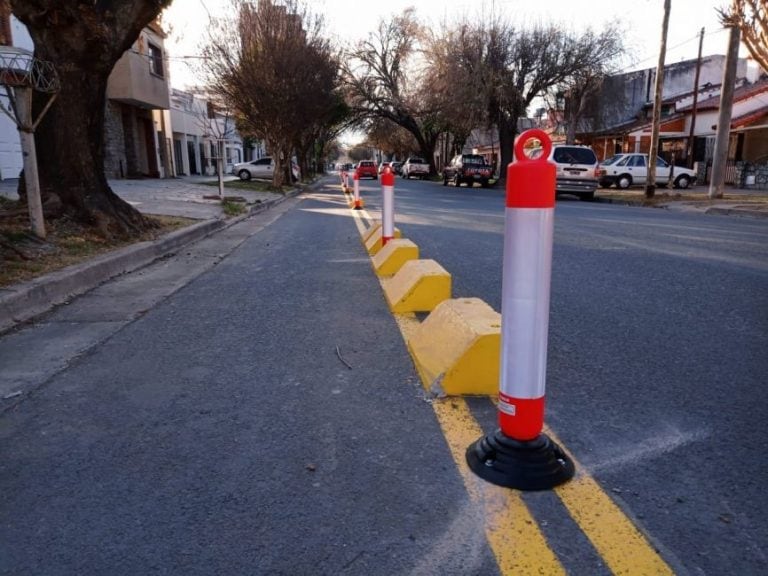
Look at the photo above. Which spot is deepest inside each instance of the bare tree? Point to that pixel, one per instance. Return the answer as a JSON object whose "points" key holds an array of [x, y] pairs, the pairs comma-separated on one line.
{"points": [[83, 40], [451, 91], [390, 138], [598, 56], [511, 67], [271, 64], [383, 82], [751, 18]]}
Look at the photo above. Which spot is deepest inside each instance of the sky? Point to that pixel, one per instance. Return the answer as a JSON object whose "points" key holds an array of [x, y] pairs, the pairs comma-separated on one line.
{"points": [[352, 20]]}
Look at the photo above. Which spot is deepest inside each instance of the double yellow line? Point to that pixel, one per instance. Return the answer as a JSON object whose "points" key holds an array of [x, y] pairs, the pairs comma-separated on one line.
{"points": [[514, 536]]}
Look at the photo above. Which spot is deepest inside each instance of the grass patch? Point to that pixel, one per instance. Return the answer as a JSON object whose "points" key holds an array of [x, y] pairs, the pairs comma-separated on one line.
{"points": [[24, 257], [233, 208]]}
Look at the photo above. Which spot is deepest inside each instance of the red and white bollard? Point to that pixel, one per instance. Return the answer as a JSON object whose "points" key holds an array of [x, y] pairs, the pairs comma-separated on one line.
{"points": [[345, 180], [518, 455], [358, 205], [388, 206]]}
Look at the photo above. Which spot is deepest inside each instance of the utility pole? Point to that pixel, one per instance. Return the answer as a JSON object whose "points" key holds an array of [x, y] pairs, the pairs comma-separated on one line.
{"points": [[689, 147], [724, 117], [650, 186]]}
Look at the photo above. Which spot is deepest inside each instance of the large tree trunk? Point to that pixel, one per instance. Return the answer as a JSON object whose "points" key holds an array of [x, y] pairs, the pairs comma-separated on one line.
{"points": [[507, 132], [83, 41], [73, 169]]}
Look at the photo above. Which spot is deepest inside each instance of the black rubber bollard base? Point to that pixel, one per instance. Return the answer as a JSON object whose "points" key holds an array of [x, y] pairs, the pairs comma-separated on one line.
{"points": [[537, 464]]}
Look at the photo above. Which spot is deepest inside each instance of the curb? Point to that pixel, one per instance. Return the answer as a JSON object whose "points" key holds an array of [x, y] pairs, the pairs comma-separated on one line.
{"points": [[22, 302], [736, 211]]}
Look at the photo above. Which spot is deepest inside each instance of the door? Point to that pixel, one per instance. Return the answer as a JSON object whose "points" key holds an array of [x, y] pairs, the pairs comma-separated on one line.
{"points": [[192, 158], [637, 168], [262, 168], [662, 171]]}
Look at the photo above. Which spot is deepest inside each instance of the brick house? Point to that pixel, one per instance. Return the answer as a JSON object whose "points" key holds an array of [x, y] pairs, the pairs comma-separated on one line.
{"points": [[624, 120]]}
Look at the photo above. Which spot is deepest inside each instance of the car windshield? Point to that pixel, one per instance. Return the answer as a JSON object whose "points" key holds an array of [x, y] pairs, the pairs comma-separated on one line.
{"points": [[416, 161], [573, 155], [612, 160]]}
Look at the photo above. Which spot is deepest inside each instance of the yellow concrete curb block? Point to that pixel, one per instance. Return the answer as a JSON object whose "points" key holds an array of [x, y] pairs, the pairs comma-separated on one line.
{"points": [[391, 258], [373, 241], [418, 286], [456, 349]]}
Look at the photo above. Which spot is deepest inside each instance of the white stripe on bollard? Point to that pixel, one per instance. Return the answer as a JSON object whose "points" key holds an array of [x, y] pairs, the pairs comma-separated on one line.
{"points": [[388, 206]]}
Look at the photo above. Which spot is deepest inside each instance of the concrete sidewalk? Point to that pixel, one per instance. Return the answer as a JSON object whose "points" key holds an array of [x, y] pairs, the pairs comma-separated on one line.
{"points": [[747, 202], [184, 197]]}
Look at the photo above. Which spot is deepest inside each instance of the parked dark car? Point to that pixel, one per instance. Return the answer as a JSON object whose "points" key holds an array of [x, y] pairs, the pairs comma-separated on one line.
{"points": [[467, 169]]}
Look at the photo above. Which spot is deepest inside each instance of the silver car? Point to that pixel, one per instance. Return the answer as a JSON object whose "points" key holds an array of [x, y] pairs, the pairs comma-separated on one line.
{"points": [[261, 168], [577, 169]]}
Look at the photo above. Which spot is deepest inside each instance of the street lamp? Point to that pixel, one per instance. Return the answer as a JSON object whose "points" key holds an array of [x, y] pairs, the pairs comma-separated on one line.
{"points": [[20, 74]]}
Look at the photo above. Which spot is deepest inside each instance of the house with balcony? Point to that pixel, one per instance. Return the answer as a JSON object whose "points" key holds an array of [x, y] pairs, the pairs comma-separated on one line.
{"points": [[12, 33], [202, 131], [137, 121], [137, 130]]}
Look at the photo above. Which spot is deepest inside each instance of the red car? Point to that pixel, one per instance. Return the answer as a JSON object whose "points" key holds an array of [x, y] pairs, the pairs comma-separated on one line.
{"points": [[367, 169]]}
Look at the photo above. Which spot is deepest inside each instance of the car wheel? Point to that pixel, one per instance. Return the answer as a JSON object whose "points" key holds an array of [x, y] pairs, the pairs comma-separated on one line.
{"points": [[682, 182], [605, 183], [624, 181], [470, 183], [484, 183], [456, 181], [244, 175], [587, 196]]}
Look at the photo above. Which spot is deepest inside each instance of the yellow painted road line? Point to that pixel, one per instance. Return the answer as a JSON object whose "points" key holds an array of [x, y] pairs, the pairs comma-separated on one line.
{"points": [[512, 533], [617, 540]]}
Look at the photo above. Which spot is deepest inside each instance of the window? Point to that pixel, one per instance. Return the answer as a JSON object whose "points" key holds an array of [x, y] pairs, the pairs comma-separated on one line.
{"points": [[155, 60], [638, 161], [574, 155]]}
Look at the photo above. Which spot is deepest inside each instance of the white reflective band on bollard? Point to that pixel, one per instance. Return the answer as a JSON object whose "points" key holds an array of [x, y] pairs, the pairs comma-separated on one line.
{"points": [[388, 206]]}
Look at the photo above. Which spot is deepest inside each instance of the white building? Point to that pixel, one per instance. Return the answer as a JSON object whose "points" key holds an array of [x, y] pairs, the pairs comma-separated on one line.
{"points": [[12, 33], [199, 129]]}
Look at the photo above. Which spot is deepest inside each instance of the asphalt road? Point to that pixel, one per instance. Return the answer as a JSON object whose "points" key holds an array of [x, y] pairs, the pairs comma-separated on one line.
{"points": [[657, 356], [263, 417], [248, 406]]}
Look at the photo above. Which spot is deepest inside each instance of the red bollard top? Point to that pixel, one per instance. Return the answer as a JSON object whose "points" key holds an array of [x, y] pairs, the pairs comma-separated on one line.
{"points": [[356, 176], [531, 183], [387, 177]]}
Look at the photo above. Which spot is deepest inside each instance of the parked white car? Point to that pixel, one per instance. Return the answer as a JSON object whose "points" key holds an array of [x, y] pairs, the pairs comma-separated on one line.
{"points": [[415, 167], [627, 170], [261, 168]]}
